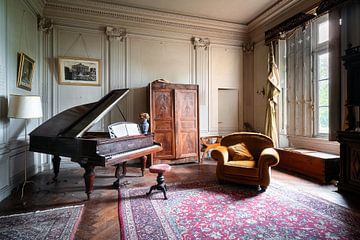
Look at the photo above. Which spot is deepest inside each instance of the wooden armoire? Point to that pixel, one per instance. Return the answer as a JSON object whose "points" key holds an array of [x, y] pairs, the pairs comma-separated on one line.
{"points": [[174, 120]]}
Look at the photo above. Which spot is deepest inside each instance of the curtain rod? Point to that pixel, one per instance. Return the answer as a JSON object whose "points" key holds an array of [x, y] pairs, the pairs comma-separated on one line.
{"points": [[300, 19]]}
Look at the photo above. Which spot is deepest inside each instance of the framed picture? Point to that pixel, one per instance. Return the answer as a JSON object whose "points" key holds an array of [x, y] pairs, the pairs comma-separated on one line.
{"points": [[25, 71], [79, 71]]}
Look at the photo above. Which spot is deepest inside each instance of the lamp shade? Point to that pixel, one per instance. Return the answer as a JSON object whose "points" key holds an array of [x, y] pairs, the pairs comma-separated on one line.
{"points": [[24, 106]]}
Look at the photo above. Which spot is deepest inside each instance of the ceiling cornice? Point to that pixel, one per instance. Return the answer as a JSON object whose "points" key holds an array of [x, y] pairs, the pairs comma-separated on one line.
{"points": [[37, 6], [102, 12]]}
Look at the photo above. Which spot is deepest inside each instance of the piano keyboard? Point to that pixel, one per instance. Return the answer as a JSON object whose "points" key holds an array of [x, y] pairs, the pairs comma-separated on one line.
{"points": [[133, 152]]}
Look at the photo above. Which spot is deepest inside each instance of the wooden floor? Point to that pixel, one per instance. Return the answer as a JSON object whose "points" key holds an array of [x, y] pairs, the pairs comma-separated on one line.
{"points": [[100, 219]]}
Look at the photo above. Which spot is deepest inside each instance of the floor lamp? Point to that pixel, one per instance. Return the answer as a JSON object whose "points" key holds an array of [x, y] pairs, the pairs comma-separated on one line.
{"points": [[25, 107]]}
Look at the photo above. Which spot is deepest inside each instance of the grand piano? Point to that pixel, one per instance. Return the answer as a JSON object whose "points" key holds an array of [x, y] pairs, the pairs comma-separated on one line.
{"points": [[66, 134]]}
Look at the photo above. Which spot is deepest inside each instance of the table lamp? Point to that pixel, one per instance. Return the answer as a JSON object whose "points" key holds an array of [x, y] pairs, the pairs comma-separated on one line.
{"points": [[25, 107]]}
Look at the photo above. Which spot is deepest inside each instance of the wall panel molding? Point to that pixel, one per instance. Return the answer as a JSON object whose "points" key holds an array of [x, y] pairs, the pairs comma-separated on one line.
{"points": [[201, 68], [226, 72]]}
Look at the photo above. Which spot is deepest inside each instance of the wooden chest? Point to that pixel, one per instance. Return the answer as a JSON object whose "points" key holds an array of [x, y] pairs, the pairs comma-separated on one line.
{"points": [[320, 166]]}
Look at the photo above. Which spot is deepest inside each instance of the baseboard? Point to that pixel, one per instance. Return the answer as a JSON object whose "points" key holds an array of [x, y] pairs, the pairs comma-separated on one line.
{"points": [[5, 192], [18, 179]]}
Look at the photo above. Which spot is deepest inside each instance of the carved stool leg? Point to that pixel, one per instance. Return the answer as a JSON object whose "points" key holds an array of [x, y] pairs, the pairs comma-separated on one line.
{"points": [[56, 165], [152, 188], [160, 185]]}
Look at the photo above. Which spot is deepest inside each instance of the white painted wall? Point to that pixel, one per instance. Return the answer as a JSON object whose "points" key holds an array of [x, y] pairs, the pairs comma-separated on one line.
{"points": [[260, 78], [18, 33]]}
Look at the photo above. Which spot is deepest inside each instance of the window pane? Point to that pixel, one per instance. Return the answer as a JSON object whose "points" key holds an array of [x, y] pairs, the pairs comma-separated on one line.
{"points": [[323, 32], [323, 121], [323, 66], [323, 93]]}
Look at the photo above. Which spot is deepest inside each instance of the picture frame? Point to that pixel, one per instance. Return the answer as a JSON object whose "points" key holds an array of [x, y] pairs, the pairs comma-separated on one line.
{"points": [[26, 68], [79, 71]]}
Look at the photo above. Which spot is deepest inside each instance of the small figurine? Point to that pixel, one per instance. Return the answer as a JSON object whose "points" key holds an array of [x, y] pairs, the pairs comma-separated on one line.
{"points": [[144, 122]]}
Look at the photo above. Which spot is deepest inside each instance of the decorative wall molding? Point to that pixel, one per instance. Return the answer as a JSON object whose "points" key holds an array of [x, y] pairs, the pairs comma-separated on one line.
{"points": [[248, 47], [110, 13], [114, 33], [201, 42], [45, 24]]}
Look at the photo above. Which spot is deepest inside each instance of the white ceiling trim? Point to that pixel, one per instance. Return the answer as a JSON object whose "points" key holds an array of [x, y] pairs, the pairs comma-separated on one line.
{"points": [[103, 10]]}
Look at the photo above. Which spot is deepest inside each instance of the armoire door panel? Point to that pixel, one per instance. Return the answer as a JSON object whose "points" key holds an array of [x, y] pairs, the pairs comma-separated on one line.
{"points": [[163, 105], [187, 144], [167, 143], [186, 122], [163, 125]]}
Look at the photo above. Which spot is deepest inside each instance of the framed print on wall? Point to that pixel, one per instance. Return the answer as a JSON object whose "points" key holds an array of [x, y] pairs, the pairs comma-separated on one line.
{"points": [[25, 71], [79, 71]]}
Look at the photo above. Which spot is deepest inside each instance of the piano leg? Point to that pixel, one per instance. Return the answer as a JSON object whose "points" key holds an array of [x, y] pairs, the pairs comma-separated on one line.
{"points": [[143, 166], [116, 184], [89, 177], [124, 168], [56, 165]]}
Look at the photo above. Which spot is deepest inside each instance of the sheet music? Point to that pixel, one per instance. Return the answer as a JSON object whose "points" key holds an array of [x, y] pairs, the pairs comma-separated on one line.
{"points": [[123, 129]]}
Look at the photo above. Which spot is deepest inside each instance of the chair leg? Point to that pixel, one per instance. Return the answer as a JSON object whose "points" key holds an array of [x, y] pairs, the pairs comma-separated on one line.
{"points": [[204, 154]]}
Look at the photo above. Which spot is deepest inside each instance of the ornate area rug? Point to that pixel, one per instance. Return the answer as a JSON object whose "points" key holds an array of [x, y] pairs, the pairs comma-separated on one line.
{"points": [[212, 211], [57, 223]]}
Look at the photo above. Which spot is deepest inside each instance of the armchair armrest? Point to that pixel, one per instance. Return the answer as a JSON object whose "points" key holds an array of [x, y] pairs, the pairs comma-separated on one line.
{"points": [[220, 154], [269, 157]]}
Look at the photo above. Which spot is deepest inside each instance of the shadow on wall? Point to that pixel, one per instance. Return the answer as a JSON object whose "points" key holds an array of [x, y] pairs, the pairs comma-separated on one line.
{"points": [[140, 102], [3, 111], [249, 128]]}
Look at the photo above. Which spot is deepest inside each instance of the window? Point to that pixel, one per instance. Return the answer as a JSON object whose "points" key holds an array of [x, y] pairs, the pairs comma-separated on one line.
{"points": [[321, 77], [304, 61]]}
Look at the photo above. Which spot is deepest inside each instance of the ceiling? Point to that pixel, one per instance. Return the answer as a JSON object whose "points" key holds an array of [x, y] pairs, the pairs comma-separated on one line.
{"points": [[236, 11]]}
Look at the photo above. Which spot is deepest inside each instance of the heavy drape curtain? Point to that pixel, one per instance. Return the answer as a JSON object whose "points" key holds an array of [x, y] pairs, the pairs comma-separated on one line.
{"points": [[272, 91]]}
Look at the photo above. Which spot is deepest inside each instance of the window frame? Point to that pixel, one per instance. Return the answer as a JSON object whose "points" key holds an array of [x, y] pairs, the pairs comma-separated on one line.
{"points": [[317, 50]]}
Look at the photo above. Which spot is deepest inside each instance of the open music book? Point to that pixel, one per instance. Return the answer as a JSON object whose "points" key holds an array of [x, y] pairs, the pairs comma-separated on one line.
{"points": [[123, 129]]}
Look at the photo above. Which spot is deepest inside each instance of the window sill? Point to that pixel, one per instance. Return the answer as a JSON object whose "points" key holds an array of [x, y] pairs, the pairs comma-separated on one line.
{"points": [[317, 144]]}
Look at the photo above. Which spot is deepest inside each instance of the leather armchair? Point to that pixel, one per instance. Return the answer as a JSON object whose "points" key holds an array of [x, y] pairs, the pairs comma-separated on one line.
{"points": [[254, 172]]}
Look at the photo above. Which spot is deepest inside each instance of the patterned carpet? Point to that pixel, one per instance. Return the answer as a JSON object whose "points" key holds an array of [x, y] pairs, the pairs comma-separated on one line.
{"points": [[57, 223], [212, 211]]}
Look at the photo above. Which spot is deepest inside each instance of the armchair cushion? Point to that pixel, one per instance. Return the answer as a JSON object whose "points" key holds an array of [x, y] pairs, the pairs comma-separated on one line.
{"points": [[239, 152]]}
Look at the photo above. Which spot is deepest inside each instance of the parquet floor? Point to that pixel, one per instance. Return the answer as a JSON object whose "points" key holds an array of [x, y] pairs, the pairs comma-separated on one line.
{"points": [[100, 220]]}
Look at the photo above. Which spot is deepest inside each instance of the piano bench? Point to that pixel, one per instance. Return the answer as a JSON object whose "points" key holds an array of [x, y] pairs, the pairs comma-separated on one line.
{"points": [[160, 169]]}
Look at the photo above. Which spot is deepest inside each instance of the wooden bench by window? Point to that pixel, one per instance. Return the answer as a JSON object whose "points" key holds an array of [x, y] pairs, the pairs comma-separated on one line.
{"points": [[320, 166]]}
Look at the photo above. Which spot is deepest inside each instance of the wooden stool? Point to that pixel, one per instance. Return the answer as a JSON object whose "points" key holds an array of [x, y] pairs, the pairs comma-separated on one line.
{"points": [[160, 169]]}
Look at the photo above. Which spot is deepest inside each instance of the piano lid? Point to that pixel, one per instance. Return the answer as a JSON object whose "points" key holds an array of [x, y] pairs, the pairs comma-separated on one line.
{"points": [[75, 121]]}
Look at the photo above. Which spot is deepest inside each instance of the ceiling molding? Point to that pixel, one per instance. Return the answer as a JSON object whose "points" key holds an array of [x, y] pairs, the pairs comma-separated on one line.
{"points": [[37, 6], [268, 14], [94, 11]]}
